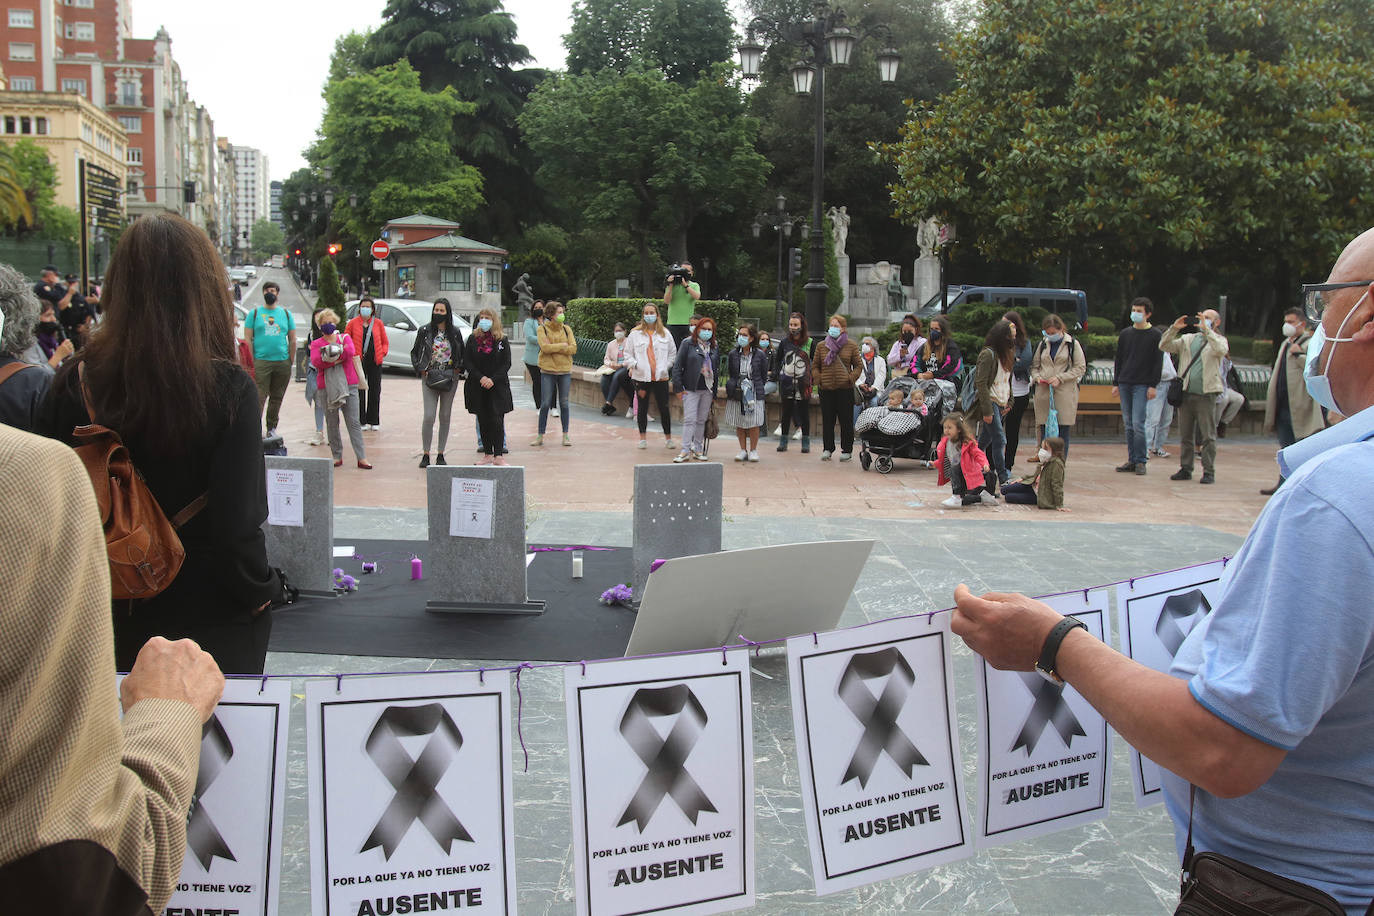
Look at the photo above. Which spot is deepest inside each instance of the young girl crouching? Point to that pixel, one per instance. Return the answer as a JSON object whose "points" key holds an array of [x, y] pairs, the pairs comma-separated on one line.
{"points": [[963, 465], [1044, 488]]}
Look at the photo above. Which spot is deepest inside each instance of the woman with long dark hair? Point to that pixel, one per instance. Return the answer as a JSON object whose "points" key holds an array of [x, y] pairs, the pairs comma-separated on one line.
{"points": [[793, 371], [992, 389], [161, 373], [1020, 386], [438, 352]]}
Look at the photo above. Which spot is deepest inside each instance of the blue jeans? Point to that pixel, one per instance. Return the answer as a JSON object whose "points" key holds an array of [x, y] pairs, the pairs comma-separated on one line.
{"points": [[613, 384], [1133, 401], [1159, 413], [562, 383], [992, 439]]}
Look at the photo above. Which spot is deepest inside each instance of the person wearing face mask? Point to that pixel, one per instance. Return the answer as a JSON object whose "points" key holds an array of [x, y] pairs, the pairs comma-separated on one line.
{"points": [[792, 365], [332, 355], [1199, 354], [748, 377], [556, 348], [909, 342], [1263, 727], [369, 340], [438, 355], [532, 324], [1135, 380], [939, 357], [868, 387], [651, 352], [614, 369], [695, 378], [23, 385], [1289, 410], [50, 346], [836, 366], [271, 332], [312, 379], [1020, 387], [487, 389], [1057, 367], [766, 345]]}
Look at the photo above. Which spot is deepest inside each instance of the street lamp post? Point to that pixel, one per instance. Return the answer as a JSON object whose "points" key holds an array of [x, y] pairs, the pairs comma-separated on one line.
{"points": [[781, 221], [832, 44]]}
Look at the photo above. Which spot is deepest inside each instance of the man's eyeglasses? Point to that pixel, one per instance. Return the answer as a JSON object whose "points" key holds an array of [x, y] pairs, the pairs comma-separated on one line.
{"points": [[1314, 296]]}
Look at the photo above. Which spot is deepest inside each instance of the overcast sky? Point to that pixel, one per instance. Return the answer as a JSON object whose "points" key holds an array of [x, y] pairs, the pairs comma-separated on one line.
{"points": [[258, 65]]}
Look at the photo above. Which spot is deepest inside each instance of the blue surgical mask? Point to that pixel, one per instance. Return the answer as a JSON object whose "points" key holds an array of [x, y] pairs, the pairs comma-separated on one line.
{"points": [[835, 332], [484, 324], [1054, 338], [1207, 323], [365, 311], [1319, 384], [764, 344], [742, 340], [650, 319], [1137, 317], [704, 334]]}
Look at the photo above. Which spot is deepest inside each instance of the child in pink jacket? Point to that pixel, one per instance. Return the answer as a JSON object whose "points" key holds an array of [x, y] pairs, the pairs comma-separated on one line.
{"points": [[963, 465]]}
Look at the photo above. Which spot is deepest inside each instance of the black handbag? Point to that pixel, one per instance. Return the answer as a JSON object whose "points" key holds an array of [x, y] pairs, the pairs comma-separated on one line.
{"points": [[439, 379], [1175, 393]]}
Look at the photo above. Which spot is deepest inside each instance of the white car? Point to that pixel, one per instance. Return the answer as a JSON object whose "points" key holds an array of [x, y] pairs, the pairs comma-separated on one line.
{"points": [[403, 318]]}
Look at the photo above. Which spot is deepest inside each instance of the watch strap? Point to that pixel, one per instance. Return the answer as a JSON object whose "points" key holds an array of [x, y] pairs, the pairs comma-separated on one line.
{"points": [[1050, 651]]}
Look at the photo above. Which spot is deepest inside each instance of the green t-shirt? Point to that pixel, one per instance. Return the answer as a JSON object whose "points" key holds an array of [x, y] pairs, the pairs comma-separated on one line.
{"points": [[270, 329], [1193, 384], [682, 306]]}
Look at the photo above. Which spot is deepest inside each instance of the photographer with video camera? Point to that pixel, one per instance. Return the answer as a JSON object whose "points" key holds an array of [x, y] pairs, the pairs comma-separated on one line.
{"points": [[679, 296]]}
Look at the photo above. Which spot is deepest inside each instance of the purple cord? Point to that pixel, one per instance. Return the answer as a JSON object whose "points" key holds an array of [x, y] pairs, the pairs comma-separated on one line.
{"points": [[520, 712], [578, 547]]}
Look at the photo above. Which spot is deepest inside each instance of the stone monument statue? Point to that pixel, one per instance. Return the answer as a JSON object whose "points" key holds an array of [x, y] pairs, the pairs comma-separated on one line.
{"points": [[928, 237], [878, 273], [839, 228], [896, 295], [524, 296]]}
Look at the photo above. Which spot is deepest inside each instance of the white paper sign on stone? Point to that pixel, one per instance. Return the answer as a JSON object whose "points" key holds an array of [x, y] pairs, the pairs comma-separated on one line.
{"points": [[662, 761], [285, 498], [234, 832], [1044, 754], [470, 509], [878, 745], [410, 794], [1154, 615]]}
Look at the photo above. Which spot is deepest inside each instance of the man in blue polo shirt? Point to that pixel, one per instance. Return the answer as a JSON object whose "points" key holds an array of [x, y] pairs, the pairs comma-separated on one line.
{"points": [[271, 332], [1269, 711]]}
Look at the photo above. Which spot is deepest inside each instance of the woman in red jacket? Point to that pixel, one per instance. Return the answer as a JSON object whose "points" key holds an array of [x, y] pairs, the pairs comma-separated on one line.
{"points": [[369, 342]]}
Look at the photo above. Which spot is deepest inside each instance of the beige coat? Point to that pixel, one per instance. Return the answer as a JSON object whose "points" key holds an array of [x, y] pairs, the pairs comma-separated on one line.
{"points": [[1307, 413], [1069, 365], [1181, 346]]}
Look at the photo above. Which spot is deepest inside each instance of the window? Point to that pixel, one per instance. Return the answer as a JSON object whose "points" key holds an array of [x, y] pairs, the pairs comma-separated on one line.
{"points": [[103, 143], [85, 31], [21, 19], [129, 93], [132, 187], [83, 4], [134, 155], [87, 134], [493, 280], [459, 278], [40, 125], [23, 84], [21, 50], [25, 125], [10, 124], [132, 124], [72, 85]]}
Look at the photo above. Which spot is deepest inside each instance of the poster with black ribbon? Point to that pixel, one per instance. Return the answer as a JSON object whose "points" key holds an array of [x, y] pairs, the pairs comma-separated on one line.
{"points": [[661, 751], [878, 746], [410, 794], [1044, 754], [1154, 616], [234, 828]]}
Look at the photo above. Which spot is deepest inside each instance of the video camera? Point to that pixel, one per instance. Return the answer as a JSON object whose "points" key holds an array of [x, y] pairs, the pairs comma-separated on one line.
{"points": [[678, 274]]}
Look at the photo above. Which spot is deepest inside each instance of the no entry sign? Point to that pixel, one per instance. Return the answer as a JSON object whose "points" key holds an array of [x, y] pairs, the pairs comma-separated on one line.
{"points": [[380, 249]]}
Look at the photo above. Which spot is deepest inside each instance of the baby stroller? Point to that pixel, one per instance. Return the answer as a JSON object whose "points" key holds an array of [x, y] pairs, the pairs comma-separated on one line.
{"points": [[886, 434]]}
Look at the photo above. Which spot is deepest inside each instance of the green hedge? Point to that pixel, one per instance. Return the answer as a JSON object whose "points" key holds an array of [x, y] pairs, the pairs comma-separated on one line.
{"points": [[978, 318], [1264, 352], [758, 312], [596, 318]]}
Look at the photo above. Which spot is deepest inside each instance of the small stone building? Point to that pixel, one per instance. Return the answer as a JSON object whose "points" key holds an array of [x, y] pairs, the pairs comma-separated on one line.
{"points": [[429, 259]]}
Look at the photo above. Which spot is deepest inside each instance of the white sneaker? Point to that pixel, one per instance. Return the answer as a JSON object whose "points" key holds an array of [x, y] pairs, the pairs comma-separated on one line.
{"points": [[777, 430], [753, 456], [988, 498], [317, 439], [797, 434], [681, 457], [742, 456], [668, 442], [643, 444], [554, 411], [700, 456], [954, 502], [271, 432], [376, 426], [630, 414]]}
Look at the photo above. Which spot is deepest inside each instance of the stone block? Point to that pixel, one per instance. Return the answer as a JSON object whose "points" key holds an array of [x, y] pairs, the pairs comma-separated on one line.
{"points": [[306, 554], [677, 513]]}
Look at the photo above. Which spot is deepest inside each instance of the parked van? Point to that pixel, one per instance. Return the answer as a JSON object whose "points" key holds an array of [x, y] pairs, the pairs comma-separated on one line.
{"points": [[1069, 304]]}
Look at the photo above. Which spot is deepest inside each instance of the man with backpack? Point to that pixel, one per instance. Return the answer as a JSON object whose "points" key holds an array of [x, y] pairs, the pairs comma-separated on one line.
{"points": [[271, 333]]}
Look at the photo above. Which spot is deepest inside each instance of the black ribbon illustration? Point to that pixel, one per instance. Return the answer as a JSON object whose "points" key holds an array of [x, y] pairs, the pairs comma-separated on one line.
{"points": [[665, 757], [415, 780], [1184, 608], [1049, 709], [201, 833], [878, 715]]}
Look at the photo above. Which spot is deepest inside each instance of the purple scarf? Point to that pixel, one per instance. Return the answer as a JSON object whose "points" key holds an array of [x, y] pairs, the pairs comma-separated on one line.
{"points": [[833, 346]]}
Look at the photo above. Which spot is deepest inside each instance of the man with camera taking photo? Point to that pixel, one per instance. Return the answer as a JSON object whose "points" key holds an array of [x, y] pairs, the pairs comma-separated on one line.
{"points": [[679, 297]]}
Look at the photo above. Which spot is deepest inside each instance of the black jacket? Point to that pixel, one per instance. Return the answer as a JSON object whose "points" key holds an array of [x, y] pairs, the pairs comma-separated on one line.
{"points": [[21, 395], [495, 366], [226, 576], [758, 371], [688, 366], [423, 349], [785, 382]]}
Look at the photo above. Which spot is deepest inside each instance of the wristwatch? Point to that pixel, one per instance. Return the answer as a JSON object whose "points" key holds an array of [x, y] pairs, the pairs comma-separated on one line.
{"points": [[1045, 667]]}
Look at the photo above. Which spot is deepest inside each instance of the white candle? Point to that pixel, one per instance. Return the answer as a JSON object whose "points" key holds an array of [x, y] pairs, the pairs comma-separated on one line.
{"points": [[577, 564]]}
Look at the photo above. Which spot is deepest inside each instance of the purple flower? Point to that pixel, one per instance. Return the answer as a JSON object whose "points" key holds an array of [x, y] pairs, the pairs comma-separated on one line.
{"points": [[617, 594]]}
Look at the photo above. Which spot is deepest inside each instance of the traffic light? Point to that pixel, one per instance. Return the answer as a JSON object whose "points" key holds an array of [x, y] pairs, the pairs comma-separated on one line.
{"points": [[298, 252], [333, 249], [796, 262]]}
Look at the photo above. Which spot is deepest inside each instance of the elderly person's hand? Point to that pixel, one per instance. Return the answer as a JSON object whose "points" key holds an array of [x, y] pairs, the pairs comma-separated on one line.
{"points": [[180, 670], [1007, 630]]}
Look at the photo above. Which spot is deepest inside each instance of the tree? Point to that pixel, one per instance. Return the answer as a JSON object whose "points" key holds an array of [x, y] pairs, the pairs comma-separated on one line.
{"points": [[390, 142], [470, 47], [350, 57], [330, 295], [683, 38], [643, 153], [266, 239], [1151, 137]]}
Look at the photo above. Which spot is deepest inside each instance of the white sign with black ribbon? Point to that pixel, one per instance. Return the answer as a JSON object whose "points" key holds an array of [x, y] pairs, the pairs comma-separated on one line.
{"points": [[661, 752], [1044, 753], [1154, 615], [234, 829], [410, 794], [878, 745]]}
